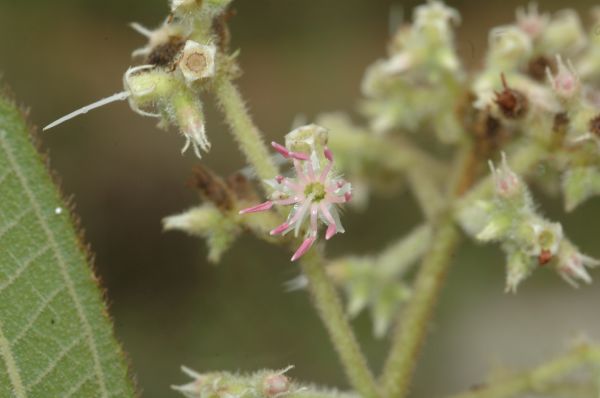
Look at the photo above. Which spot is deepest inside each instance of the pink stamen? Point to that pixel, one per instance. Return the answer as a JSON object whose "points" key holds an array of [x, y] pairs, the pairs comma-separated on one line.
{"points": [[293, 185], [308, 242], [299, 155], [299, 171], [286, 202], [279, 179], [255, 209], [314, 214], [326, 171], [280, 229], [328, 154], [310, 171], [331, 230], [281, 149]]}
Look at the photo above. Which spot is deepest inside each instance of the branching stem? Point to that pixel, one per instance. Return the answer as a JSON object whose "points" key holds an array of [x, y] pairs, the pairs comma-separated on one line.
{"points": [[539, 378], [325, 297]]}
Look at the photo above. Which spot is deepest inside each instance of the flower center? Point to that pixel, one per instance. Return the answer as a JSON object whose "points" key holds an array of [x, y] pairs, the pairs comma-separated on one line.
{"points": [[546, 239], [315, 190]]}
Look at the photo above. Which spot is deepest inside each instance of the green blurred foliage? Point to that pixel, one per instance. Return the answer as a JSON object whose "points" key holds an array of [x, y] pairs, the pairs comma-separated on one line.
{"points": [[170, 306]]}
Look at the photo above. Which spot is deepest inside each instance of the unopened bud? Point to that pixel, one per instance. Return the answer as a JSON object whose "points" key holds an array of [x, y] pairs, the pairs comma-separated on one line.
{"points": [[565, 82]]}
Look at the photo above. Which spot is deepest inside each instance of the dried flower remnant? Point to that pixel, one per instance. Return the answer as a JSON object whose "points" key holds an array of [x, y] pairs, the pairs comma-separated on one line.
{"points": [[512, 103], [197, 61], [314, 193]]}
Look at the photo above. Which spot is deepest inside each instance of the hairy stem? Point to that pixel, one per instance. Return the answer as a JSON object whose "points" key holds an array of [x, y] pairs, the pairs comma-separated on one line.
{"points": [[323, 292], [330, 309], [410, 333], [247, 135], [538, 379]]}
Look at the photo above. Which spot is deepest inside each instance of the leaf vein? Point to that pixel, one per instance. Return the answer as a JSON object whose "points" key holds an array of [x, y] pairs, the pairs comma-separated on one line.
{"points": [[61, 355], [13, 223], [22, 268], [91, 342], [39, 311], [11, 366]]}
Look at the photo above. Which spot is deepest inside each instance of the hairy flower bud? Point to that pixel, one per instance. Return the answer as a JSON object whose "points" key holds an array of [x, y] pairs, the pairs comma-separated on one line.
{"points": [[571, 264], [518, 267], [531, 21], [565, 82]]}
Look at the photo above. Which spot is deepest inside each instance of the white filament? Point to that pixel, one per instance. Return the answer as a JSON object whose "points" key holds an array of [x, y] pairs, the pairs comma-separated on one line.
{"points": [[122, 96], [142, 30]]}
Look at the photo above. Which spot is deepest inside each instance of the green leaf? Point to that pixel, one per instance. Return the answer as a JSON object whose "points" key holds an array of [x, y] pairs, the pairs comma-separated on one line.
{"points": [[56, 339]]}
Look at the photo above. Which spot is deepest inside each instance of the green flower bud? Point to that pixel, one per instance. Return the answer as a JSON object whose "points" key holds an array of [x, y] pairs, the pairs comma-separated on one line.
{"points": [[519, 266]]}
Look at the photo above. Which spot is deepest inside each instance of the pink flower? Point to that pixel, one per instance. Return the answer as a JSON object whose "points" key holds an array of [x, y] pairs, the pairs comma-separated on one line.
{"points": [[314, 194], [506, 182], [572, 265], [565, 82], [531, 21]]}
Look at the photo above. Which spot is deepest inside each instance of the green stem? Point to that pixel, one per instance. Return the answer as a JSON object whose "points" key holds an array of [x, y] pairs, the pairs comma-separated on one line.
{"points": [[539, 378], [247, 135], [323, 292], [410, 334], [329, 307]]}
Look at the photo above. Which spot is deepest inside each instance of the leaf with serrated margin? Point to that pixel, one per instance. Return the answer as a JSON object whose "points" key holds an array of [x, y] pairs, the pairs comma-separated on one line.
{"points": [[56, 339]]}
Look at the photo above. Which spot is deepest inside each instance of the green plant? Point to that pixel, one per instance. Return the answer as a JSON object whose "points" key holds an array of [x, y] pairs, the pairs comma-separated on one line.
{"points": [[430, 123]]}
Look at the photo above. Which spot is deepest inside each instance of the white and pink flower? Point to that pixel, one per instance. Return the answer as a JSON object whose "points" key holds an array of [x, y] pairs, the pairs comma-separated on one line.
{"points": [[314, 193]]}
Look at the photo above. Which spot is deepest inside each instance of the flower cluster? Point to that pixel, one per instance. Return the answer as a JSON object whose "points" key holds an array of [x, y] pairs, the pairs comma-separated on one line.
{"points": [[178, 62], [263, 384], [422, 63], [529, 240], [315, 193]]}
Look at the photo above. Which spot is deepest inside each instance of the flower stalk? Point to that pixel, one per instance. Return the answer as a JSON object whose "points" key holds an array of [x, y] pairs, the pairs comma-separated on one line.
{"points": [[325, 298]]}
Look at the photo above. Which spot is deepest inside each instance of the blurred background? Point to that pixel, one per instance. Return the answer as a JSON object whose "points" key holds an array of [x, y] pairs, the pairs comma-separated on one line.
{"points": [[172, 307]]}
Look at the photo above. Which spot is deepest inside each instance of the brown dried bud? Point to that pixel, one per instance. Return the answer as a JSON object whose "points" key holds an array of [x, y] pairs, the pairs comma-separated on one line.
{"points": [[241, 187], [212, 188], [561, 121], [595, 126], [164, 54], [536, 69], [512, 103]]}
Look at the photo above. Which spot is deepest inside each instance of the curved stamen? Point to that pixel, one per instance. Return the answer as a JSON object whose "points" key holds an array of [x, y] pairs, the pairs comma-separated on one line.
{"points": [[308, 242], [261, 207]]}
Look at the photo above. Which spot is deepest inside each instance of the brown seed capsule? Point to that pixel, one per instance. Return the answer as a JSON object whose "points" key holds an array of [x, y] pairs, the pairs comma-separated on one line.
{"points": [[512, 103]]}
